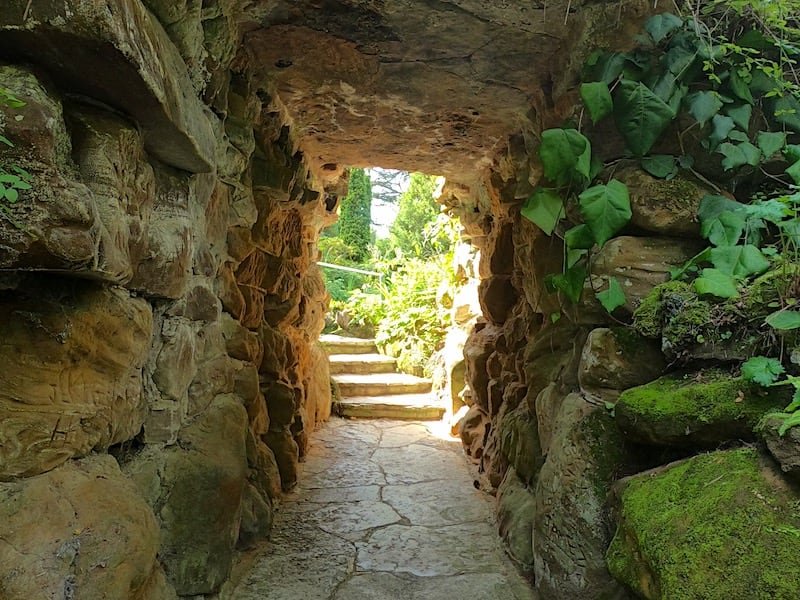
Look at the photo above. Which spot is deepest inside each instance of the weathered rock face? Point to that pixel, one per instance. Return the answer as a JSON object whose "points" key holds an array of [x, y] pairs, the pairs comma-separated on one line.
{"points": [[158, 288]]}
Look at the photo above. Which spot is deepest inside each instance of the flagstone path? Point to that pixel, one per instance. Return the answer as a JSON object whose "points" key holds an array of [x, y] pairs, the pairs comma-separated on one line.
{"points": [[385, 509]]}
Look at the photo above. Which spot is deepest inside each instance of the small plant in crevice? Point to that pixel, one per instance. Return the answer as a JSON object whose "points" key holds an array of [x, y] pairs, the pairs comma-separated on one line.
{"points": [[13, 178]]}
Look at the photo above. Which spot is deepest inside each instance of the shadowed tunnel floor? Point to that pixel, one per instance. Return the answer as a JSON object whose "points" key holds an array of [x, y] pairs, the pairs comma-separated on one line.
{"points": [[384, 509]]}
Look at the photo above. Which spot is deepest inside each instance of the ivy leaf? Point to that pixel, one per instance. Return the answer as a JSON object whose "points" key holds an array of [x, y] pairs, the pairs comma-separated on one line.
{"points": [[792, 152], [573, 256], [772, 210], [704, 105], [565, 154], [11, 195], [570, 283], [660, 26], [741, 115], [762, 370], [739, 155], [613, 297], [597, 99], [787, 112], [663, 166], [794, 172], [606, 209], [739, 261], [605, 66], [579, 237], [770, 142], [641, 116], [739, 87], [716, 283], [721, 126], [784, 320], [720, 222], [544, 208]]}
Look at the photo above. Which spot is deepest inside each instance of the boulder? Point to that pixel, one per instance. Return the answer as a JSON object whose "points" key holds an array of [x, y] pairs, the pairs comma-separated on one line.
{"points": [[616, 359], [716, 526], [570, 534], [784, 448], [516, 508], [79, 531], [72, 381], [695, 409], [519, 442], [196, 489], [664, 206]]}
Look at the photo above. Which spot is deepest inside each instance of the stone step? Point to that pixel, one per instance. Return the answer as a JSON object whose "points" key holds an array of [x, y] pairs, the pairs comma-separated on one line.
{"points": [[361, 364], [415, 407], [337, 344], [380, 384]]}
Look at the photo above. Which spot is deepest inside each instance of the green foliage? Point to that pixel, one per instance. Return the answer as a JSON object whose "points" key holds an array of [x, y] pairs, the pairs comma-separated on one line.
{"points": [[355, 215], [597, 98], [415, 231], [716, 283], [641, 116], [762, 370], [544, 208], [566, 156], [784, 320], [606, 209], [13, 178], [613, 297]]}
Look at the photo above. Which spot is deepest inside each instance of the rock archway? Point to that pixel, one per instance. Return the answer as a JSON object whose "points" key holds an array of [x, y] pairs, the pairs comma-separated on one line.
{"points": [[160, 299]]}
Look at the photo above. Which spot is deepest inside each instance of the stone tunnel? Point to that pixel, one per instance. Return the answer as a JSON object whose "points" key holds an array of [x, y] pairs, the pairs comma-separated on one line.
{"points": [[160, 300]]}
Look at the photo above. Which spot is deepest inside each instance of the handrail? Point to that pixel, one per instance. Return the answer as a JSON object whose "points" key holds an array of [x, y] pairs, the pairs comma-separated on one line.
{"points": [[351, 269]]}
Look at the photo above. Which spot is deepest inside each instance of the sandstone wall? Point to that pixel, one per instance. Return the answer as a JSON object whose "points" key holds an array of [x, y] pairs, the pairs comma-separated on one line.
{"points": [[159, 300]]}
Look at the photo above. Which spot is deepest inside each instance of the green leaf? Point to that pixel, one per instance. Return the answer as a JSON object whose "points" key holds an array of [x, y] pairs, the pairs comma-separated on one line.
{"points": [[662, 166], [544, 208], [720, 221], [795, 403], [573, 256], [739, 87], [641, 116], [787, 112], [6, 141], [741, 115], [660, 26], [794, 172], [613, 297], [739, 261], [716, 283], [606, 209], [597, 99], [11, 195], [772, 210], [739, 155], [721, 126], [762, 370], [565, 154], [570, 283], [704, 105], [605, 66], [784, 320], [788, 423], [792, 152], [579, 237], [770, 142]]}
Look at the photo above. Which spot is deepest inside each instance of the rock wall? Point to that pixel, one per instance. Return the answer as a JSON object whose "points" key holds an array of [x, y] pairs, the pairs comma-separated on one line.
{"points": [[159, 298]]}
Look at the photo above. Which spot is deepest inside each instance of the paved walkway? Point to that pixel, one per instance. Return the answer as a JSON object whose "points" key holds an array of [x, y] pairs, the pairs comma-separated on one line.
{"points": [[384, 510]]}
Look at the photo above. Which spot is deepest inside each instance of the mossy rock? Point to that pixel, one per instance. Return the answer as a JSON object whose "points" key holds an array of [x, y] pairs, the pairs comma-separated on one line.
{"points": [[702, 409], [717, 526], [694, 327]]}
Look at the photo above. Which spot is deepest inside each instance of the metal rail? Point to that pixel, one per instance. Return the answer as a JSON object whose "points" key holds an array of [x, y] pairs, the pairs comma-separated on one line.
{"points": [[350, 269]]}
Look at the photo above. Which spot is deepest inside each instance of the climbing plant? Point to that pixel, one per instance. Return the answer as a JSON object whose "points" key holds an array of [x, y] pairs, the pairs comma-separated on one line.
{"points": [[724, 73]]}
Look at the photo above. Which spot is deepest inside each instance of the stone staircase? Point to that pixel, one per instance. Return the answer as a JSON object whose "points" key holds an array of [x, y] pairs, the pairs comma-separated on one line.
{"points": [[370, 386]]}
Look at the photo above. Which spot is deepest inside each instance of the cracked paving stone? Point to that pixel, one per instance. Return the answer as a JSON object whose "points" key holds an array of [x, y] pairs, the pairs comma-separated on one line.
{"points": [[384, 510]]}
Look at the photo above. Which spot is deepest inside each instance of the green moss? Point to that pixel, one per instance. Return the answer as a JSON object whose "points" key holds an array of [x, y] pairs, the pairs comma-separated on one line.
{"points": [[650, 315], [705, 408], [713, 527], [602, 437]]}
